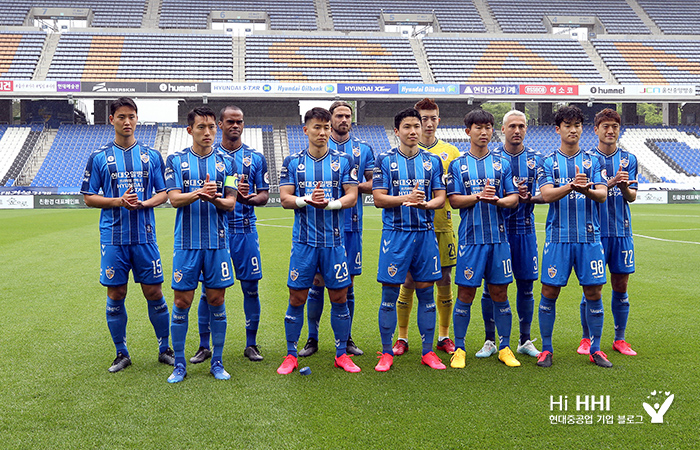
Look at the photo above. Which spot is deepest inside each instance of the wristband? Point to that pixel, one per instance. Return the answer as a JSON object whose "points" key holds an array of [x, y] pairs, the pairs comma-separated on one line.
{"points": [[334, 204], [300, 202]]}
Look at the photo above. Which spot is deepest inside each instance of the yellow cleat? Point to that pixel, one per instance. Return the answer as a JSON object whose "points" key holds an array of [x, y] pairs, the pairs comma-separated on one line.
{"points": [[506, 357], [458, 360]]}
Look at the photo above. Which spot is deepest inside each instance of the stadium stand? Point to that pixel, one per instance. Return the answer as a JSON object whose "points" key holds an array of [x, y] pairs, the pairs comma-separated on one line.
{"points": [[16, 145], [527, 16], [472, 60], [453, 16], [19, 53], [651, 62], [330, 58], [673, 16], [142, 56], [284, 14], [65, 163], [106, 13]]}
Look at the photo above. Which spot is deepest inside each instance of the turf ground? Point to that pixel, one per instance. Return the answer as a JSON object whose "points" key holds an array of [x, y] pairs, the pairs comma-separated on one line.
{"points": [[55, 390]]}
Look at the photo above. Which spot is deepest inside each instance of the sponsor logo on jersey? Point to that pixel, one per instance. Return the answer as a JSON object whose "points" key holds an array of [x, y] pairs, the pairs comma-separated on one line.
{"points": [[531, 164], [247, 160], [335, 166], [177, 276], [356, 151], [552, 271], [464, 168], [300, 168], [589, 228], [109, 272], [604, 173], [392, 270], [144, 158], [394, 165], [587, 163], [496, 165], [149, 228], [468, 273], [220, 166], [353, 173], [427, 165], [185, 165], [293, 274], [266, 178], [110, 159]]}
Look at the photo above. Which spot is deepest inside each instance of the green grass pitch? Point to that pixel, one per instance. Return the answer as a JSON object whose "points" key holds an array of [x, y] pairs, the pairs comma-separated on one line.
{"points": [[55, 391]]}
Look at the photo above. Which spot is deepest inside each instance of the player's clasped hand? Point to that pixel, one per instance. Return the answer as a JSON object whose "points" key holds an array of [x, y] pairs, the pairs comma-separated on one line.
{"points": [[130, 200], [244, 188], [523, 191], [622, 178], [580, 183], [416, 198], [317, 198], [208, 191], [488, 194]]}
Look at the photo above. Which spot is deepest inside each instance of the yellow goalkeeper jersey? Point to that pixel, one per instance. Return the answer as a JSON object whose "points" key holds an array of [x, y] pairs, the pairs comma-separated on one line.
{"points": [[446, 152]]}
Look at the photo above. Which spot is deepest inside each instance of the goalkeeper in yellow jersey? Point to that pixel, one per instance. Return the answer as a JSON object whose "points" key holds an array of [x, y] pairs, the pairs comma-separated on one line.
{"points": [[430, 118]]}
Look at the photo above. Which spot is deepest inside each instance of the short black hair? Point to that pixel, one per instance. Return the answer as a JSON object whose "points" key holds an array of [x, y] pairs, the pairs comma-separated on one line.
{"points": [[408, 112], [122, 101], [201, 111], [570, 114], [338, 104], [317, 113], [478, 116], [226, 108]]}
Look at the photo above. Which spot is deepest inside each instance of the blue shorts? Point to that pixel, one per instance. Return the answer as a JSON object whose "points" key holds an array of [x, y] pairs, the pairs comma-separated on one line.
{"points": [[401, 251], [245, 254], [619, 254], [489, 262], [306, 261], [214, 265], [523, 254], [142, 259], [587, 259], [353, 246]]}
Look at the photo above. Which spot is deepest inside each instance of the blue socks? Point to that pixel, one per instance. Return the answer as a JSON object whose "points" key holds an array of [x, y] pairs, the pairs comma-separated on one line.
{"points": [[251, 309], [116, 322], [178, 331], [160, 319], [218, 324], [293, 322], [547, 315], [487, 314], [620, 307], [350, 301], [426, 315], [203, 316], [460, 321], [594, 316], [504, 322], [387, 317], [525, 305], [314, 309], [340, 322], [584, 323]]}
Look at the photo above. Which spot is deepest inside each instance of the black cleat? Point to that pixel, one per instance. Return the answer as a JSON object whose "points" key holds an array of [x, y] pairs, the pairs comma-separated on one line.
{"points": [[252, 353], [202, 355], [310, 348], [545, 359], [121, 362], [353, 349], [167, 357], [601, 359]]}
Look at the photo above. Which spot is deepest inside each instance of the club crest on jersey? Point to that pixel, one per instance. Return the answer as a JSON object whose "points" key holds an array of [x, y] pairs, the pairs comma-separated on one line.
{"points": [[392, 270], [496, 165], [356, 151], [427, 165], [109, 272], [293, 274], [300, 168], [185, 165], [247, 161], [468, 273], [587, 163], [220, 166], [552, 271], [144, 158], [531, 164], [335, 166], [177, 276], [624, 162], [444, 156]]}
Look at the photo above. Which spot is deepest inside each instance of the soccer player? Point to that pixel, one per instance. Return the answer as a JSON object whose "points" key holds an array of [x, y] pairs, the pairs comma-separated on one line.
{"points": [[201, 185], [430, 120], [243, 236], [363, 157], [520, 229], [480, 184], [615, 229], [317, 183], [572, 182], [125, 180], [408, 186]]}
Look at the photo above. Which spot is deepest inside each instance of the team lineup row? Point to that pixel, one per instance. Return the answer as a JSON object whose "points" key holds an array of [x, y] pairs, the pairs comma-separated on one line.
{"points": [[215, 188]]}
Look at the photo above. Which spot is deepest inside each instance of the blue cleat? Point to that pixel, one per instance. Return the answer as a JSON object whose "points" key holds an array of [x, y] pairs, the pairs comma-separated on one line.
{"points": [[217, 369], [179, 374]]}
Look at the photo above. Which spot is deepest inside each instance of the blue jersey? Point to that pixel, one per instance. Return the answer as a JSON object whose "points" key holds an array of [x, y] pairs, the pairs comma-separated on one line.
{"points": [[615, 217], [481, 223], [252, 164], [399, 174], [199, 225], [363, 158], [575, 217], [312, 226], [113, 170], [521, 220]]}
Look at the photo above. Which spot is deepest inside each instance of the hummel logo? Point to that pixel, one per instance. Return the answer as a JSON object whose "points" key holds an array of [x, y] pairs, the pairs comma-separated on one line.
{"points": [[386, 242], [103, 250], [385, 249], [461, 250]]}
